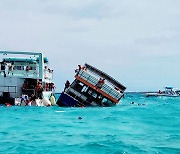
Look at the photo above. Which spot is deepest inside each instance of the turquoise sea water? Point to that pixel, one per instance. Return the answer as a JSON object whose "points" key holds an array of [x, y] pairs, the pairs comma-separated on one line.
{"points": [[125, 128]]}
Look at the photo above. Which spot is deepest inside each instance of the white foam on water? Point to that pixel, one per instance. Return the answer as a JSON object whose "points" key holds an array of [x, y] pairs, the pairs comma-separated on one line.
{"points": [[60, 111]]}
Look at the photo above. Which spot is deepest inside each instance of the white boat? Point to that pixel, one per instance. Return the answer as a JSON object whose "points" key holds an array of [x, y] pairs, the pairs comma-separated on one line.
{"points": [[24, 73], [168, 92]]}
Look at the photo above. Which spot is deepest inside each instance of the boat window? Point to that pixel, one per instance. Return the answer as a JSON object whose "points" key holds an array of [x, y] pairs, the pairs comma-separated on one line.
{"points": [[78, 87], [90, 92], [18, 67], [94, 95], [178, 92], [100, 96], [106, 101], [84, 89], [33, 67], [81, 84]]}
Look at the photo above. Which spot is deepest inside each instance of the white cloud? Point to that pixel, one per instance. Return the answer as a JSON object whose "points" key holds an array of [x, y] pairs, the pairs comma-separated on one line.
{"points": [[122, 37]]}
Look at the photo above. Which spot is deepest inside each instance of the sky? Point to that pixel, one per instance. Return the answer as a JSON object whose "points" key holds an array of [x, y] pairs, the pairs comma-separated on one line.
{"points": [[135, 41]]}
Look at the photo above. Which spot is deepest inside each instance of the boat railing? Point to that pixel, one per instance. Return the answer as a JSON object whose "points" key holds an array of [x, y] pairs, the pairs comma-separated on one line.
{"points": [[30, 91], [89, 78], [110, 91], [20, 73], [105, 88], [12, 90], [77, 94]]}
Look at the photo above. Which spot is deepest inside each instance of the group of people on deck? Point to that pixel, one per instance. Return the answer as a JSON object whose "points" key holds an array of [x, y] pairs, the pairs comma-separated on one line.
{"points": [[33, 91], [36, 88], [80, 68]]}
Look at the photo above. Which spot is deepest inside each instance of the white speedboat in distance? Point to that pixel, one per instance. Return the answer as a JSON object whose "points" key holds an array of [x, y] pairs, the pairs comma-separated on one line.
{"points": [[168, 92], [24, 73]]}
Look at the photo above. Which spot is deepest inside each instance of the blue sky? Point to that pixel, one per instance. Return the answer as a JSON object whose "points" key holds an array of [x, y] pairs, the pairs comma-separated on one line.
{"points": [[136, 42]]}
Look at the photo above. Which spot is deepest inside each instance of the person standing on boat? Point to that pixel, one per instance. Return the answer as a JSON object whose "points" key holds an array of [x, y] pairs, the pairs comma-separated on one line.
{"points": [[159, 92], [53, 87], [100, 83], [78, 69], [39, 89], [28, 102], [24, 100], [24, 87], [47, 87], [83, 68], [67, 84], [33, 100], [3, 67]]}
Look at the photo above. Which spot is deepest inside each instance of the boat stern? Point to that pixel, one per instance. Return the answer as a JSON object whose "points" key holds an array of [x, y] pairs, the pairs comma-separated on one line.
{"points": [[66, 100]]}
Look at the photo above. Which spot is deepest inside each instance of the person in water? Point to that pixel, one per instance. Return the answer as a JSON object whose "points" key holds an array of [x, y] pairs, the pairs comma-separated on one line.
{"points": [[7, 104], [132, 103], [80, 118], [141, 104]]}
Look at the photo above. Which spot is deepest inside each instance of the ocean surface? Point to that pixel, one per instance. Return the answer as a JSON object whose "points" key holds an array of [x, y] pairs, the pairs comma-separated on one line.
{"points": [[151, 125]]}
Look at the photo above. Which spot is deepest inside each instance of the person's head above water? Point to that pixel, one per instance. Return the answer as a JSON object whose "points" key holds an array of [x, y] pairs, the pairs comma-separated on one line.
{"points": [[79, 118]]}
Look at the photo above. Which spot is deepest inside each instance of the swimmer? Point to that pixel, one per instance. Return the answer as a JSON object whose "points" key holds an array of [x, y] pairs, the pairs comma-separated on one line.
{"points": [[7, 104], [132, 103], [141, 104], [79, 118]]}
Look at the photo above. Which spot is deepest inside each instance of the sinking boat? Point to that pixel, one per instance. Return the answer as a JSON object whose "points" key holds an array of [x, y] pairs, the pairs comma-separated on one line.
{"points": [[24, 74], [91, 87], [167, 92]]}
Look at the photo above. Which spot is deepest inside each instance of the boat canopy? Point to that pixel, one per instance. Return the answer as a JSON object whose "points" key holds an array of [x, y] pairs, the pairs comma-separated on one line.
{"points": [[29, 60], [105, 76], [45, 59], [169, 88]]}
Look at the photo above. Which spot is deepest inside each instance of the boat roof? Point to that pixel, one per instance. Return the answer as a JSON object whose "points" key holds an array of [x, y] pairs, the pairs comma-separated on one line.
{"points": [[169, 87], [19, 60], [29, 60], [19, 53], [105, 76]]}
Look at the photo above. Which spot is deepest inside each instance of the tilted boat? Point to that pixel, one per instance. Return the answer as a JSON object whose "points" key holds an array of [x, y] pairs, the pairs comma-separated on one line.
{"points": [[167, 92], [91, 87], [24, 73]]}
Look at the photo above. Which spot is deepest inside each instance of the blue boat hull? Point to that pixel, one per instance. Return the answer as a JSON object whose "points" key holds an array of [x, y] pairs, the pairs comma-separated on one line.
{"points": [[67, 101]]}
